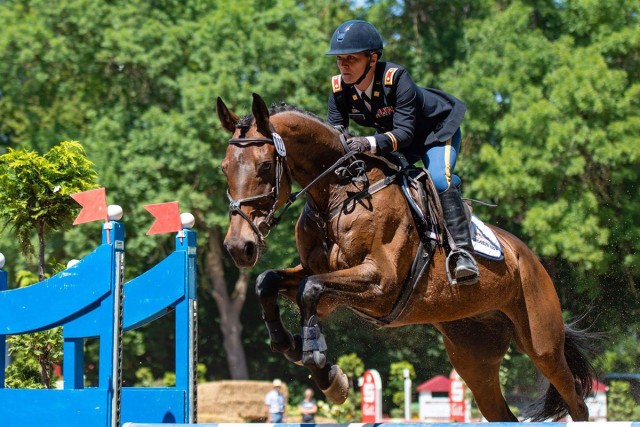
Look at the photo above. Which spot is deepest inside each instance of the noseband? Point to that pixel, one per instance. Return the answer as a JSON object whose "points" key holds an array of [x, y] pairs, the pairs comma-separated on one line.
{"points": [[263, 227]]}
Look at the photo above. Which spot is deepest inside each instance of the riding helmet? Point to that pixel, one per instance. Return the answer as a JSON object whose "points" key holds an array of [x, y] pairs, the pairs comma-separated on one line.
{"points": [[355, 36]]}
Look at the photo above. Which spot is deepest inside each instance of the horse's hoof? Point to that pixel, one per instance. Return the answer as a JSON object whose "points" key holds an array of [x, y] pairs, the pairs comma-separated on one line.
{"points": [[338, 389]]}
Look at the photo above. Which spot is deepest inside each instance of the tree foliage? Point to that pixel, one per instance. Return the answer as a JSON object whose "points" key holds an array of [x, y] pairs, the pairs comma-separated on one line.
{"points": [[36, 191]]}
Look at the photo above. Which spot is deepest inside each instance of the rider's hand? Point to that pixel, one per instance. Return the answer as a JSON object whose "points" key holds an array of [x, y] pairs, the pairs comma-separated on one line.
{"points": [[359, 144]]}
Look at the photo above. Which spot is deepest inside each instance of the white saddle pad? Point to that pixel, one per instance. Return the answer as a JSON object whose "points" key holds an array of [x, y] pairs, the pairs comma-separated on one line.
{"points": [[484, 240]]}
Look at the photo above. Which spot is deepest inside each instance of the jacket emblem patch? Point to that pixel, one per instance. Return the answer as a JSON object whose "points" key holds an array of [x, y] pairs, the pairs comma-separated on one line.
{"points": [[336, 83], [388, 76]]}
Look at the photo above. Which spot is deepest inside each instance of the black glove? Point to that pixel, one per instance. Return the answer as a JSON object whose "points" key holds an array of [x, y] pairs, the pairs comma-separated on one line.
{"points": [[359, 144]]}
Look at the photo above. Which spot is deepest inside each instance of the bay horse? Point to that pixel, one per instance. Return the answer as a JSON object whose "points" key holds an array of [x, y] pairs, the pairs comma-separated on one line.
{"points": [[360, 259]]}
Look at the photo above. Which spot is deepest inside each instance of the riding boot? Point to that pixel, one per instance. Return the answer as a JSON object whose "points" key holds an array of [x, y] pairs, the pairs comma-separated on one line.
{"points": [[466, 270]]}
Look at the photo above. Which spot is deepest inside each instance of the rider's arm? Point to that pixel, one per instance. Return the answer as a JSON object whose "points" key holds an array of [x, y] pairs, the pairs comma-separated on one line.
{"points": [[404, 117], [336, 117]]}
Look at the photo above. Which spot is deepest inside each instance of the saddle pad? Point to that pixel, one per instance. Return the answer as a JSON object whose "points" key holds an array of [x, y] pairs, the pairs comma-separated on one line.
{"points": [[485, 242]]}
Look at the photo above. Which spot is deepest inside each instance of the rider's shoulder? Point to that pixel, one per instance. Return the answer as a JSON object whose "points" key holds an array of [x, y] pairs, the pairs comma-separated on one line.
{"points": [[391, 73], [336, 83]]}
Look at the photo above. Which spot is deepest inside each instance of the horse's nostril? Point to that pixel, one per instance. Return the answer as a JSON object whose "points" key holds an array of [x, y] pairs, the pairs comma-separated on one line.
{"points": [[249, 249]]}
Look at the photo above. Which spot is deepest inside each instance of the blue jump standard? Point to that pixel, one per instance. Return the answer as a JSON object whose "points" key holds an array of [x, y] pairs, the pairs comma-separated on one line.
{"points": [[505, 424], [90, 299]]}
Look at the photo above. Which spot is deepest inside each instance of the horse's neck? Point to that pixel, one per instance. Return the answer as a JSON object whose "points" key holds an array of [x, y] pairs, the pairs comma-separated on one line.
{"points": [[312, 147]]}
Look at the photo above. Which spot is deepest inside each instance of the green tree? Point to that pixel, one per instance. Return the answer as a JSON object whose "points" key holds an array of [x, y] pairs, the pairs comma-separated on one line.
{"points": [[620, 403], [35, 192], [395, 383], [35, 354], [549, 135]]}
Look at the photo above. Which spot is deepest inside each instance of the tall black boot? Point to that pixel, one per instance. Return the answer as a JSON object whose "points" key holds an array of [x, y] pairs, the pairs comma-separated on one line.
{"points": [[466, 270]]}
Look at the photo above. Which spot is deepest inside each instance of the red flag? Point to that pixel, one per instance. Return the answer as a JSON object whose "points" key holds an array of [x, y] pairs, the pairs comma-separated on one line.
{"points": [[167, 217], [94, 205]]}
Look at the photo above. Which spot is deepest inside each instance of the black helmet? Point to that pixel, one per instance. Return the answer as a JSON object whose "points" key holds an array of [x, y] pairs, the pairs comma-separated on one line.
{"points": [[355, 36]]}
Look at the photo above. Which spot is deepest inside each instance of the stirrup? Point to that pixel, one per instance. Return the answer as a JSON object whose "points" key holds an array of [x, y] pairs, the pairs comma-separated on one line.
{"points": [[454, 280]]}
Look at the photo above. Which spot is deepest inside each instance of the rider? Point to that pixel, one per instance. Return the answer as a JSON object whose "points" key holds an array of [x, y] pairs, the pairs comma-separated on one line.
{"points": [[420, 123]]}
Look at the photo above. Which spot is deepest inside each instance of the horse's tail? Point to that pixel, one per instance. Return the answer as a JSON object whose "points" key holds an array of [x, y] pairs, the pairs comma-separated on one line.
{"points": [[579, 347]]}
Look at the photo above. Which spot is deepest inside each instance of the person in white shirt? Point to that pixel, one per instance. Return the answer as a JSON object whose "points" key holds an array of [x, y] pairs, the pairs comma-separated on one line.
{"points": [[276, 403]]}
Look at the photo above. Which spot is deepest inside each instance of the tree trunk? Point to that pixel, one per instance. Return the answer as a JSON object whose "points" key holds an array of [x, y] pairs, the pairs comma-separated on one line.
{"points": [[41, 248], [229, 306]]}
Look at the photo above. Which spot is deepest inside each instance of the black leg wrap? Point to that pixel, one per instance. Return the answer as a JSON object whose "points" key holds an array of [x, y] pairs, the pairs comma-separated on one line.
{"points": [[313, 344]]}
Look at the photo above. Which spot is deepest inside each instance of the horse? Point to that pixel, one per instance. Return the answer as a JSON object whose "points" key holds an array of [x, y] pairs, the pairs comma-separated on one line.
{"points": [[360, 258]]}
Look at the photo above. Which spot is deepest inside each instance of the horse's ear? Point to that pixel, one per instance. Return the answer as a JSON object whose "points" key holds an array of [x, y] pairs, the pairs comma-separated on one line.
{"points": [[227, 118], [261, 114]]}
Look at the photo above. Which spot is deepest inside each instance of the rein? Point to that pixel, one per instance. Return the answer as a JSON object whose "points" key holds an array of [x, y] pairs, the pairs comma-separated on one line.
{"points": [[263, 228]]}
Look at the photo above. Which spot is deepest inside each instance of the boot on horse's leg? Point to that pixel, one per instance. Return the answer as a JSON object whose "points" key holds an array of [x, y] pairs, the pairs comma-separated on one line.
{"points": [[466, 270]]}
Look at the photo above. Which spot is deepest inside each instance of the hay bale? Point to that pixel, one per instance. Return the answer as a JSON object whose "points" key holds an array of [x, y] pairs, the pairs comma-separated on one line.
{"points": [[234, 401]]}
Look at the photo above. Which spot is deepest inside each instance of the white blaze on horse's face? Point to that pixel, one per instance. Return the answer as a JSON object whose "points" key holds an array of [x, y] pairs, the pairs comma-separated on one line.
{"points": [[250, 172]]}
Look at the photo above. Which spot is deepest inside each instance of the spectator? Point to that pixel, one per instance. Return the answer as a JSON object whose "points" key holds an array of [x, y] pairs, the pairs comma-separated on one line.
{"points": [[308, 407], [276, 403]]}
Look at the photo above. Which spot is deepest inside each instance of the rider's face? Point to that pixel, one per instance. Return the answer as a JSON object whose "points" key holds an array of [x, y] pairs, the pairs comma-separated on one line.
{"points": [[352, 66]]}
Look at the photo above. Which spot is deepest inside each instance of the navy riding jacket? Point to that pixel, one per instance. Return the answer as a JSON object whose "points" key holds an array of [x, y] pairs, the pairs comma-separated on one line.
{"points": [[406, 117]]}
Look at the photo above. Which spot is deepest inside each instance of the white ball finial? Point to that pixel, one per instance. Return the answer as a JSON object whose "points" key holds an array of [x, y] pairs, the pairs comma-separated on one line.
{"points": [[72, 262], [2, 260], [187, 220], [114, 212]]}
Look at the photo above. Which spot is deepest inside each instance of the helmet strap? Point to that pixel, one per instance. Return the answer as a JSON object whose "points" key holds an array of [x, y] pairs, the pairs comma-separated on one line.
{"points": [[366, 71]]}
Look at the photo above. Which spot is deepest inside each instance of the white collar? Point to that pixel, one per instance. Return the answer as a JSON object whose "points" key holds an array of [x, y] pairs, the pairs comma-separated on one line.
{"points": [[368, 91]]}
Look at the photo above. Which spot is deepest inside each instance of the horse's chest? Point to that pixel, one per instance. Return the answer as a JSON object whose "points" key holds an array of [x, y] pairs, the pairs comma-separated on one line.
{"points": [[328, 246]]}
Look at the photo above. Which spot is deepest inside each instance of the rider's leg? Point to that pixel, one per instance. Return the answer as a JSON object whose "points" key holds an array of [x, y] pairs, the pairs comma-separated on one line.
{"points": [[440, 160]]}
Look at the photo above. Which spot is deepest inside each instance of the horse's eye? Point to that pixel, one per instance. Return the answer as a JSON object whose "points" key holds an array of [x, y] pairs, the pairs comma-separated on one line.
{"points": [[265, 167]]}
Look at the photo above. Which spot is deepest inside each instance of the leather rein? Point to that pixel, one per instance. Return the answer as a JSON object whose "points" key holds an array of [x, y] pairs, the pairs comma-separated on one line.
{"points": [[264, 226]]}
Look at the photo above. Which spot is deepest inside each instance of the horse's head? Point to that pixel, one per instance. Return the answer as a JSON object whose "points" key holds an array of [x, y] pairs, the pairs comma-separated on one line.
{"points": [[257, 177]]}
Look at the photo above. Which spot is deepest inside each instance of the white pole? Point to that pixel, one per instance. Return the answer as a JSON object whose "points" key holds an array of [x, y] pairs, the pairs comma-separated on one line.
{"points": [[407, 395]]}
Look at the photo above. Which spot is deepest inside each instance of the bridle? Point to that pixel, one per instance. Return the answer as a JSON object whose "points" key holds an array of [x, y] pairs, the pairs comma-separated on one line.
{"points": [[264, 226]]}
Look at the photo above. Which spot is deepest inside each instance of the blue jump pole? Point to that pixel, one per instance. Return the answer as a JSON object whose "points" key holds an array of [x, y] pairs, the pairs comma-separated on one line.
{"points": [[169, 284], [497, 424]]}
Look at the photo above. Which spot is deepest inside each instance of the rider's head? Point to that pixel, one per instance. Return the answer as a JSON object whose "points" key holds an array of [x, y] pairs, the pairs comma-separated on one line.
{"points": [[357, 46]]}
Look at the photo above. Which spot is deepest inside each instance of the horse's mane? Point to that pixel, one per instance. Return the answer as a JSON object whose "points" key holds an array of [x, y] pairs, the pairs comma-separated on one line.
{"points": [[283, 107]]}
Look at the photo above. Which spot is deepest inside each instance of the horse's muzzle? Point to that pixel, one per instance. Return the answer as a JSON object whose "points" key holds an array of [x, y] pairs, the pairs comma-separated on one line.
{"points": [[245, 252]]}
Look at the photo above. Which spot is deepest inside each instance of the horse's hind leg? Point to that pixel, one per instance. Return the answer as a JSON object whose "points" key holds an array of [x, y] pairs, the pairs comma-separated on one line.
{"points": [[540, 333], [268, 285], [476, 347]]}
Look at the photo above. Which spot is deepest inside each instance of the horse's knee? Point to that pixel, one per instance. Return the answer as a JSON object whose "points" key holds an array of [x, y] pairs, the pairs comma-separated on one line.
{"points": [[309, 293], [267, 284]]}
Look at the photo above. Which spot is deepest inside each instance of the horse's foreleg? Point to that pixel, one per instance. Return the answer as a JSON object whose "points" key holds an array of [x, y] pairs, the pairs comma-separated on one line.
{"points": [[268, 285], [355, 287]]}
